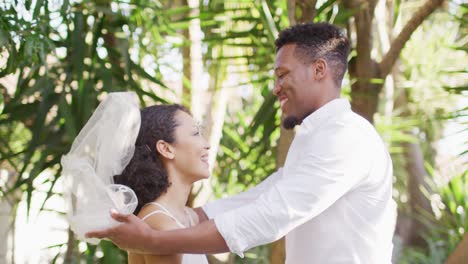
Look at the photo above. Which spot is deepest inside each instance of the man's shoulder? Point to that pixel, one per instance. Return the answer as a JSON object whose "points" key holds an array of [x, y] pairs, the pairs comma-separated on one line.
{"points": [[344, 123], [354, 123], [349, 130]]}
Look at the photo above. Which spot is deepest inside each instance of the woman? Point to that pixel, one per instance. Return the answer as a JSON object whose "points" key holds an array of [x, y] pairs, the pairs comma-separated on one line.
{"points": [[170, 155], [143, 162]]}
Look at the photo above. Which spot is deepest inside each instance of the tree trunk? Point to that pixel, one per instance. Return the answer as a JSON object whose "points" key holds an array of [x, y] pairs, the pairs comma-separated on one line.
{"points": [[197, 103], [216, 107], [460, 255], [8, 207], [213, 127], [384, 11], [408, 227], [363, 69], [5, 226], [70, 254], [306, 14], [419, 203], [186, 97], [278, 251], [193, 92]]}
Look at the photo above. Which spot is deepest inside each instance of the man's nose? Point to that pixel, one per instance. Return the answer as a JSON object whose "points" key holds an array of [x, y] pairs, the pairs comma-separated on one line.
{"points": [[276, 88]]}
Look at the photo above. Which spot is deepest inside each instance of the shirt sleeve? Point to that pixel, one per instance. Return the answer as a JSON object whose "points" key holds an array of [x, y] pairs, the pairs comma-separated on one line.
{"points": [[327, 168], [227, 204]]}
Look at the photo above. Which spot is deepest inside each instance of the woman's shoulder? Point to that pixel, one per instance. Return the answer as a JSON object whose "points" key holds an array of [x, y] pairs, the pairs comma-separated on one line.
{"points": [[157, 218]]}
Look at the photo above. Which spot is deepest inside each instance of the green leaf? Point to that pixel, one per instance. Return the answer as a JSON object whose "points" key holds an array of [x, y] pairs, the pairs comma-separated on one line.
{"points": [[456, 89], [78, 45], [27, 4], [344, 14], [112, 254], [264, 113], [49, 192], [19, 112], [37, 8], [69, 119], [2, 103], [396, 11], [141, 72], [65, 6], [324, 7]]}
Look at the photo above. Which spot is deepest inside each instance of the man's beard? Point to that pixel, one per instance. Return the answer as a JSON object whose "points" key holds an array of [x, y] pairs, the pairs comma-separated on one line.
{"points": [[290, 122]]}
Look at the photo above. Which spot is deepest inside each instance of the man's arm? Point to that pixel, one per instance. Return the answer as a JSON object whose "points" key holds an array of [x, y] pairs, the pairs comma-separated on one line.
{"points": [[328, 167], [135, 235], [213, 209], [203, 238]]}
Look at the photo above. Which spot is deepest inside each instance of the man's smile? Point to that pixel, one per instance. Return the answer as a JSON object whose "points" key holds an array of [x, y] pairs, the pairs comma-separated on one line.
{"points": [[282, 100]]}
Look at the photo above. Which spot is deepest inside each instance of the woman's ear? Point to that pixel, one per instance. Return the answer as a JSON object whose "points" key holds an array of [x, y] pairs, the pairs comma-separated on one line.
{"points": [[165, 149]]}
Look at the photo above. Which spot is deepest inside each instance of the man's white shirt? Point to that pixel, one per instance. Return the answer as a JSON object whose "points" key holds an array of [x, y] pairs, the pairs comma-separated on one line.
{"points": [[332, 199]]}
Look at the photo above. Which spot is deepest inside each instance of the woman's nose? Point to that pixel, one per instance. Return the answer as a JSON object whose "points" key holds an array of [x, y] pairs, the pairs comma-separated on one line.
{"points": [[206, 145]]}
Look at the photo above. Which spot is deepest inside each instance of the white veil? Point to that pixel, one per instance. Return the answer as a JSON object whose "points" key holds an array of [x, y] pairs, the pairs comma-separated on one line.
{"points": [[102, 149]]}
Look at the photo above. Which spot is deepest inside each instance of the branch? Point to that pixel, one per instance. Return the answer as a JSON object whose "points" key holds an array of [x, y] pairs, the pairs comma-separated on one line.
{"points": [[363, 17], [308, 10], [399, 42], [292, 12]]}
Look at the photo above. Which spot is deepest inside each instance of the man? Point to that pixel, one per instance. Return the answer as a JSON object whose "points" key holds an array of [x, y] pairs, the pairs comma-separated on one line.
{"points": [[333, 197]]}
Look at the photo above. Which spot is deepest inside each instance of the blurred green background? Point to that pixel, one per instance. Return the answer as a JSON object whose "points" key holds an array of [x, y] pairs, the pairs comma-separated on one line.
{"points": [[407, 75]]}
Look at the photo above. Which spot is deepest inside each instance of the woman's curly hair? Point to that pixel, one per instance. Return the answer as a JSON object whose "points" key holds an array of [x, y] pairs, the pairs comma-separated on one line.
{"points": [[145, 173]]}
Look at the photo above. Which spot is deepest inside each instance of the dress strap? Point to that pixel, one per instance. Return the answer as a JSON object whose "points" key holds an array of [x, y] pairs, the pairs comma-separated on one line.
{"points": [[192, 222], [163, 211], [156, 212], [160, 206]]}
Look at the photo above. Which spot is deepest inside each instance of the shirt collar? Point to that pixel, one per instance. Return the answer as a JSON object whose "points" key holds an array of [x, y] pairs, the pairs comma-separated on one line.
{"points": [[324, 113]]}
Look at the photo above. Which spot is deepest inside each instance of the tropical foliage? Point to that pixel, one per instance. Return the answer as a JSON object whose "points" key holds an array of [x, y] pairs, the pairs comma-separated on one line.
{"points": [[58, 59]]}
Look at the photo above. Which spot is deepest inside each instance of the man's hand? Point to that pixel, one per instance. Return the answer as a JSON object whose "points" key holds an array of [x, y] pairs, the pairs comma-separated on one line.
{"points": [[133, 234], [202, 217]]}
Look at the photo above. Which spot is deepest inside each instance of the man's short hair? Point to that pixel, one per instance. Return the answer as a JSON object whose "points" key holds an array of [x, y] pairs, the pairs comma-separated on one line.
{"points": [[318, 40]]}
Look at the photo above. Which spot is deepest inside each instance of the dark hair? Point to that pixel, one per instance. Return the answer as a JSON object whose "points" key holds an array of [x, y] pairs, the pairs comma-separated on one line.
{"points": [[145, 173], [318, 40]]}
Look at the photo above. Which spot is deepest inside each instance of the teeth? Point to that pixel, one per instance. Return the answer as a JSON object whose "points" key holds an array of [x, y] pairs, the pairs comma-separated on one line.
{"points": [[283, 101]]}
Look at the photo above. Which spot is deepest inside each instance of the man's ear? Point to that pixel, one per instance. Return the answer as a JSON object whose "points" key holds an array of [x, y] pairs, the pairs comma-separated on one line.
{"points": [[320, 69], [165, 149]]}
